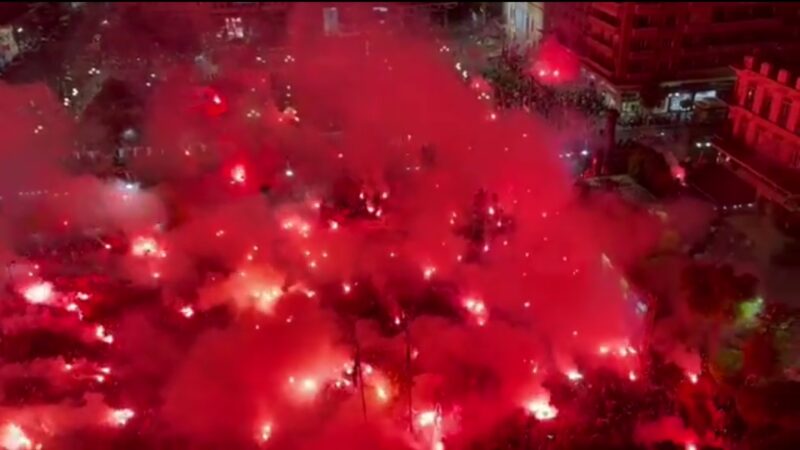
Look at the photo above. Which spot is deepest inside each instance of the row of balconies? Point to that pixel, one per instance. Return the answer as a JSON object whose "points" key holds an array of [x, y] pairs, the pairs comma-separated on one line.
{"points": [[765, 68]]}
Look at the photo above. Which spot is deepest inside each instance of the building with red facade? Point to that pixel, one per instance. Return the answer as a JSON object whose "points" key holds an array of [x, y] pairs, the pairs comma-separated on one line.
{"points": [[665, 55], [762, 143]]}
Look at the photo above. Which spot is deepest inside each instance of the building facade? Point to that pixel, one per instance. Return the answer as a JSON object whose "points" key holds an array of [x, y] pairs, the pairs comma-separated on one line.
{"points": [[762, 143], [644, 51], [524, 23]]}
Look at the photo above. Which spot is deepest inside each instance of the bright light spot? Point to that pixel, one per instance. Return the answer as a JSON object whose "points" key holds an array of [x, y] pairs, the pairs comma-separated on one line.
{"points": [[289, 173], [334, 225], [690, 446], [144, 246], [216, 99], [120, 417], [100, 333], [428, 272], [39, 293], [308, 385], [542, 409], [187, 311], [381, 393], [13, 438], [632, 375], [477, 309], [238, 174], [426, 418], [692, 377], [265, 433], [603, 350], [346, 288], [574, 375]]}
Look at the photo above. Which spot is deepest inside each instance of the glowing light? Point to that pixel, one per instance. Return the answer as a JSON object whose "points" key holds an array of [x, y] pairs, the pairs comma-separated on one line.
{"points": [[542, 410], [632, 375], [691, 446], [381, 393], [120, 417], [603, 350], [14, 438], [39, 293], [346, 288], [100, 333], [289, 172], [308, 385], [82, 296], [265, 433], [238, 174], [426, 418], [693, 378], [144, 246], [574, 375], [428, 272], [217, 100], [187, 311], [334, 225], [477, 309], [266, 298]]}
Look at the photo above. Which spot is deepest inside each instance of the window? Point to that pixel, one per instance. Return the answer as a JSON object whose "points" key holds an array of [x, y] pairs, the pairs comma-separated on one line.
{"points": [[641, 22], [749, 96], [330, 18], [783, 113], [766, 105]]}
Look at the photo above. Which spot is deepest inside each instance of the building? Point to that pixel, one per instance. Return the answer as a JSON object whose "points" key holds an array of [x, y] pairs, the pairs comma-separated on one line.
{"points": [[762, 142], [524, 23], [664, 56], [269, 22]]}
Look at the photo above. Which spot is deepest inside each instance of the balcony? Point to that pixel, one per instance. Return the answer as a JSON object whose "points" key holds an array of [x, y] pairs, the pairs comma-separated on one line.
{"points": [[604, 19], [610, 8], [600, 41], [778, 183]]}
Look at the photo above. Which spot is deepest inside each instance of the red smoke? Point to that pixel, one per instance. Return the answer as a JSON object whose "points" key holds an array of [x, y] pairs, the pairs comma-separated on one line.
{"points": [[272, 250]]}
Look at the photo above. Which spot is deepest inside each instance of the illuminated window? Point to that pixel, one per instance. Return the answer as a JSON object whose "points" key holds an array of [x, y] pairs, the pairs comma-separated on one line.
{"points": [[330, 17], [234, 27]]}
